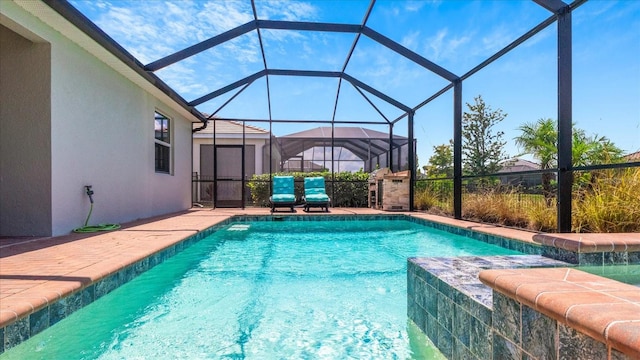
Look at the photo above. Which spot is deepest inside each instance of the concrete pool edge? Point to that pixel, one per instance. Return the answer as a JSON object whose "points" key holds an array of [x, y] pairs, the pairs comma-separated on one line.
{"points": [[592, 249], [572, 304]]}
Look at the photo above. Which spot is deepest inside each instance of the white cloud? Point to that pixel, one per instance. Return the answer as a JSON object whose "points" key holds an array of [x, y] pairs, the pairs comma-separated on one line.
{"points": [[435, 44], [243, 53], [414, 6], [127, 24], [443, 47], [286, 10], [101, 4], [176, 24], [298, 10], [538, 38], [182, 78], [384, 70], [221, 16], [497, 39], [410, 40]]}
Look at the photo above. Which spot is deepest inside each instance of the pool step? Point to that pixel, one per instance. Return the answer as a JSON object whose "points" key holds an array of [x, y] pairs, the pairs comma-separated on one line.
{"points": [[238, 227]]}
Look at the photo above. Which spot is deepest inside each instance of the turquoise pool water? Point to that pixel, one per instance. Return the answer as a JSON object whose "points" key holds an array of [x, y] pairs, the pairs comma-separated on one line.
{"points": [[629, 274], [265, 290]]}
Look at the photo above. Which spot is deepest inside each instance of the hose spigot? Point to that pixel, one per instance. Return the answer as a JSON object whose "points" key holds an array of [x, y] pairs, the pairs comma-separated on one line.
{"points": [[89, 192]]}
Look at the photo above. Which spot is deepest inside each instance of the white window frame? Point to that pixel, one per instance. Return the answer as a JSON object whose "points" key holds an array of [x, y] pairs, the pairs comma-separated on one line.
{"points": [[166, 144]]}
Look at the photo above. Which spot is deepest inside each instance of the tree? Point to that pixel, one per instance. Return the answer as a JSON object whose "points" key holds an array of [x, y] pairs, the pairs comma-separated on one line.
{"points": [[593, 150], [441, 162], [540, 139], [482, 150]]}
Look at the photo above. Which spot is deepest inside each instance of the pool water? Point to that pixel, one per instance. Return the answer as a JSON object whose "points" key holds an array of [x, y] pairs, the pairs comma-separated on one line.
{"points": [[629, 274], [265, 290]]}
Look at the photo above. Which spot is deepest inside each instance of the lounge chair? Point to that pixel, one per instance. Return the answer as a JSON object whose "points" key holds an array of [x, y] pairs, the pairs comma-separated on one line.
{"points": [[283, 193], [315, 194]]}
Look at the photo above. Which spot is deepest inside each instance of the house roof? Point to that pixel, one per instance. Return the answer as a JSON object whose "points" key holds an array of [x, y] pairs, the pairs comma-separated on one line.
{"points": [[633, 157], [364, 143], [229, 127], [307, 164], [341, 132], [517, 164]]}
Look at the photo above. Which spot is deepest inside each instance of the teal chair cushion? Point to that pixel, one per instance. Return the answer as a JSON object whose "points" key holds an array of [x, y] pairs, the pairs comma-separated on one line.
{"points": [[314, 185], [279, 198], [283, 185], [314, 190], [315, 198]]}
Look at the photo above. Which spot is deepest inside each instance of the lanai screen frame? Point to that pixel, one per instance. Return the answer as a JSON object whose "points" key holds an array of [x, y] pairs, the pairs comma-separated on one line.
{"points": [[561, 14], [364, 143]]}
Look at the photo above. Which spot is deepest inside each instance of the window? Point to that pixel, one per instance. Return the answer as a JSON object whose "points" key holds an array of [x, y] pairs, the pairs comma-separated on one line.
{"points": [[163, 143]]}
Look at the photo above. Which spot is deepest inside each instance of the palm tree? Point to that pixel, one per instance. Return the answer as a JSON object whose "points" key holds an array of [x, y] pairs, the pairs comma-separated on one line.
{"points": [[592, 150], [540, 140]]}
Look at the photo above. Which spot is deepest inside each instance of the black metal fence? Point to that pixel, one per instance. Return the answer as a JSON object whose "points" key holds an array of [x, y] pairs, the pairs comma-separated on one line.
{"points": [[343, 193], [605, 198]]}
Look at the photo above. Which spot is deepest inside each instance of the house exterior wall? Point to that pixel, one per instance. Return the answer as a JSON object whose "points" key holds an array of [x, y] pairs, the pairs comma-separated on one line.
{"points": [[25, 136], [113, 124], [258, 143], [102, 134]]}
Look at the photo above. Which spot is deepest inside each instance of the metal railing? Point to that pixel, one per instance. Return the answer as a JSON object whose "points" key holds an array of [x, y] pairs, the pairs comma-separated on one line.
{"points": [[257, 192], [604, 198]]}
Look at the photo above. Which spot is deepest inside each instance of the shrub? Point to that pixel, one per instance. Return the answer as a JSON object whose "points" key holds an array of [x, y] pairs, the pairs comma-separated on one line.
{"points": [[434, 196], [610, 204], [543, 218], [480, 206], [496, 205], [350, 189], [509, 209], [425, 199], [607, 202]]}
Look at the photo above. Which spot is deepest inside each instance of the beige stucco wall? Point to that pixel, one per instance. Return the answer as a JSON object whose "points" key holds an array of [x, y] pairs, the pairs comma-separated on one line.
{"points": [[102, 134], [25, 136], [199, 140]]}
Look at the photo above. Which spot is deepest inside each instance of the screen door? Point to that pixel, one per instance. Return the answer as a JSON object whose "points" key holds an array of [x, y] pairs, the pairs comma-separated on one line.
{"points": [[228, 184]]}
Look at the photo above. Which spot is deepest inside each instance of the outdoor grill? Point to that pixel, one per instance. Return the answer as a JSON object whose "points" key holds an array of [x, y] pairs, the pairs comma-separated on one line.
{"points": [[389, 191]]}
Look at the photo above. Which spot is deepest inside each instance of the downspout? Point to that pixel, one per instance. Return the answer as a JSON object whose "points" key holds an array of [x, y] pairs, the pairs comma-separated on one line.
{"points": [[205, 122], [204, 126]]}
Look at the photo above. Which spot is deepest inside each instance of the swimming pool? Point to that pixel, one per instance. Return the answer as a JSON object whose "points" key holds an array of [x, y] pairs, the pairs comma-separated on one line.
{"points": [[312, 289]]}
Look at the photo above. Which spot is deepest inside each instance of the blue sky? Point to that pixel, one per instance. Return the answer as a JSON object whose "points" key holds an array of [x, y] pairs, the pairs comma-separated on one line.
{"points": [[455, 34]]}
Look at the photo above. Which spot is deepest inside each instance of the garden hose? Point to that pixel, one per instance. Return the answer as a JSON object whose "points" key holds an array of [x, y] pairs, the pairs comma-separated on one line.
{"points": [[94, 228]]}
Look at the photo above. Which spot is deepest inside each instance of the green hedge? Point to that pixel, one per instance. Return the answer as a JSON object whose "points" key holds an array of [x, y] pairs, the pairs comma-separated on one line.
{"points": [[351, 188]]}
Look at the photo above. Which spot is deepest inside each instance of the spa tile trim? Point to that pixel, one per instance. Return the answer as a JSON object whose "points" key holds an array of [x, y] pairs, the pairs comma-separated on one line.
{"points": [[606, 310], [591, 249]]}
